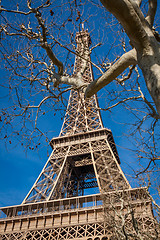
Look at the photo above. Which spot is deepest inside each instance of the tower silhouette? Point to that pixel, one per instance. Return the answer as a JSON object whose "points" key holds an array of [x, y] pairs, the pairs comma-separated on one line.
{"points": [[81, 192]]}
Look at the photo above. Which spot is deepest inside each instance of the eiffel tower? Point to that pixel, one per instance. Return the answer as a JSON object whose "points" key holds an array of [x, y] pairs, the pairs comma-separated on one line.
{"points": [[82, 186]]}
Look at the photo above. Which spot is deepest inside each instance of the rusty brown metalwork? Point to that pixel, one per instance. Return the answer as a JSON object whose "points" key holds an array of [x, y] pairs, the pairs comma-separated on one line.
{"points": [[82, 191]]}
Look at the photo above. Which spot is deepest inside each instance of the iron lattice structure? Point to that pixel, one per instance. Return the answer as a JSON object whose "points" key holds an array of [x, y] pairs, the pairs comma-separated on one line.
{"points": [[81, 179]]}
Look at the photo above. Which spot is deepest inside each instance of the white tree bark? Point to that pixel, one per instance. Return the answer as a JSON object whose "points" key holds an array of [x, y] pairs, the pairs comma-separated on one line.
{"points": [[149, 62], [114, 71], [139, 30]]}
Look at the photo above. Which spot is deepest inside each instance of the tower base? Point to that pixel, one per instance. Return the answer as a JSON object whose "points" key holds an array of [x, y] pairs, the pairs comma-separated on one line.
{"points": [[97, 217]]}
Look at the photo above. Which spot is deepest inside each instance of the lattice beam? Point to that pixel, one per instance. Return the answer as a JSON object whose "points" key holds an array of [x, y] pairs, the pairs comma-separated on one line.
{"points": [[84, 157]]}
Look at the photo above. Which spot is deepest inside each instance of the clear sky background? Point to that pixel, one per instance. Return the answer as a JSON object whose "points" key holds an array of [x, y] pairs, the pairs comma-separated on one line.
{"points": [[20, 168]]}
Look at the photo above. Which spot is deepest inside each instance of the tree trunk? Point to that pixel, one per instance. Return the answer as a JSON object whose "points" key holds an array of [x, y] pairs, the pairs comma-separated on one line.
{"points": [[149, 62], [139, 30]]}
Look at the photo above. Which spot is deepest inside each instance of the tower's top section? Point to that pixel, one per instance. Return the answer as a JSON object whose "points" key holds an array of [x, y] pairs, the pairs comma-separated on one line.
{"points": [[82, 63], [82, 115], [83, 37]]}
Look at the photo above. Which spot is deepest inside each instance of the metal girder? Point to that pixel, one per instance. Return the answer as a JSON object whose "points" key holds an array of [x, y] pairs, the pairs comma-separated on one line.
{"points": [[84, 157], [85, 217], [82, 142]]}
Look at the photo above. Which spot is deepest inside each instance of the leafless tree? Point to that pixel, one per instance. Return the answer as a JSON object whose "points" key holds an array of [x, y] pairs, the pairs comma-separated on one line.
{"points": [[38, 49], [144, 41], [128, 215]]}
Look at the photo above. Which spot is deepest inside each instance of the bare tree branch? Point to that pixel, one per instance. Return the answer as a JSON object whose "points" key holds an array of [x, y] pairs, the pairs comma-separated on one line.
{"points": [[152, 160], [151, 11], [125, 12], [45, 45], [114, 71], [120, 102]]}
